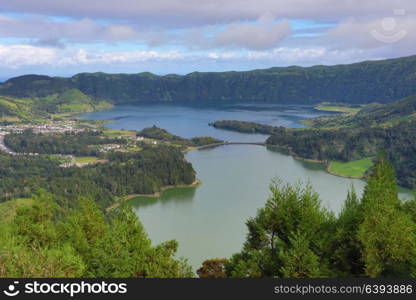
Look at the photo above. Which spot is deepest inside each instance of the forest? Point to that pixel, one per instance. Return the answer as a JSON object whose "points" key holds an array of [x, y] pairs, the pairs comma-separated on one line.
{"points": [[345, 144], [46, 240], [60, 217], [82, 143], [157, 133], [243, 126], [144, 172]]}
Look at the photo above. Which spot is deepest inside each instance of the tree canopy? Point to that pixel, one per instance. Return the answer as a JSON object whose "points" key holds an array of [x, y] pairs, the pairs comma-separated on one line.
{"points": [[293, 236]]}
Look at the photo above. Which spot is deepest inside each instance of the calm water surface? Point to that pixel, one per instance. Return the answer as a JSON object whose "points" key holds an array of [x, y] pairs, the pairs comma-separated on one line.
{"points": [[191, 121], [209, 221]]}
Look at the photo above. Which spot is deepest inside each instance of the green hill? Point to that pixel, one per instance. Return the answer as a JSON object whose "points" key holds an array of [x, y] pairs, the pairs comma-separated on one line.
{"points": [[19, 110], [389, 128], [34, 86], [372, 81], [373, 114], [71, 101]]}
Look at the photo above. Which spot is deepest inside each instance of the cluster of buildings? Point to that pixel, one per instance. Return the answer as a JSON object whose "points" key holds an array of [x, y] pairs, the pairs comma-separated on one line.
{"points": [[74, 164], [53, 127], [58, 127], [3, 146], [109, 147]]}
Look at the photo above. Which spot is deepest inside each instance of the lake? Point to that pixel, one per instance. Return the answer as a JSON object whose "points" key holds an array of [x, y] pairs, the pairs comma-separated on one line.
{"points": [[191, 121], [208, 221]]}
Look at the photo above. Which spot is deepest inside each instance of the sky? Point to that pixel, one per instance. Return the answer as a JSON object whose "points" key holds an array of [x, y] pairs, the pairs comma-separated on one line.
{"points": [[65, 37]]}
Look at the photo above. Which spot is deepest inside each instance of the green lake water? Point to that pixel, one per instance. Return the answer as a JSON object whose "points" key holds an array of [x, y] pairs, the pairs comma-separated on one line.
{"points": [[208, 221]]}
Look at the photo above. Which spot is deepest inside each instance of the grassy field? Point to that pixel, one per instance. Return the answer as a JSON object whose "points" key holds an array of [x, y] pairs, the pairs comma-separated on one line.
{"points": [[334, 108], [355, 169], [113, 133], [86, 159], [134, 149]]}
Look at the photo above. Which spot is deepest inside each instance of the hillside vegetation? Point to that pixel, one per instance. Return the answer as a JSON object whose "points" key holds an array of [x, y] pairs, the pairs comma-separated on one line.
{"points": [[161, 134], [389, 128], [43, 240], [18, 110], [33, 110], [372, 115], [142, 172], [372, 81]]}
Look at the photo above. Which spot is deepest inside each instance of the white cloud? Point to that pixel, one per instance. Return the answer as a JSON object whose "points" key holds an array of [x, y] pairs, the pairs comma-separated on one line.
{"points": [[26, 55], [213, 24], [18, 56], [198, 12], [286, 56], [369, 33], [262, 35], [23, 55], [204, 34], [83, 30]]}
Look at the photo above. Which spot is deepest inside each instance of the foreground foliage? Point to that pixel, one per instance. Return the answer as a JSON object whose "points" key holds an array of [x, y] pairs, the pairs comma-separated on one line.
{"points": [[43, 240], [293, 236]]}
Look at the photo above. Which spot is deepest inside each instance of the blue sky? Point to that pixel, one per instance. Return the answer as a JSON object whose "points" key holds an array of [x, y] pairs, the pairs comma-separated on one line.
{"points": [[180, 36]]}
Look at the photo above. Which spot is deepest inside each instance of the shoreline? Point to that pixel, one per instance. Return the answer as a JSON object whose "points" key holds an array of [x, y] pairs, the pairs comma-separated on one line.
{"points": [[326, 164], [196, 183], [339, 175]]}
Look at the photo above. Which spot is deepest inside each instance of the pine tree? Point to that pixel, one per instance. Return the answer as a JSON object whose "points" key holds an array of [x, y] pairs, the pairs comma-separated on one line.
{"points": [[270, 242], [298, 260], [345, 253], [386, 234]]}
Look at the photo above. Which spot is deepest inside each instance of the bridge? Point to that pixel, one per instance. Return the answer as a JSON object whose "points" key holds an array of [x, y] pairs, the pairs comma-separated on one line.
{"points": [[228, 143]]}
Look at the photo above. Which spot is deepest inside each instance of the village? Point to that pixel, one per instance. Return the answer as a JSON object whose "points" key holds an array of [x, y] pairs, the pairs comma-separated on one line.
{"points": [[52, 127], [60, 127]]}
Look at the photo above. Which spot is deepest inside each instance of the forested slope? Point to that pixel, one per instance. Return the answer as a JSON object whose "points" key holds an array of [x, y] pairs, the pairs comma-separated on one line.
{"points": [[365, 82], [388, 128], [143, 172]]}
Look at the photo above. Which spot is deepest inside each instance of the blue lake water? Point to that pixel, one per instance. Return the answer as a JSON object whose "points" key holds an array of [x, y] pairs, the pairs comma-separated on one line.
{"points": [[191, 121]]}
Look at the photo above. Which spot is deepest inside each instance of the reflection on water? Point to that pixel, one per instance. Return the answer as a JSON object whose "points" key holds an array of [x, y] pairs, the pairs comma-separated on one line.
{"points": [[170, 197]]}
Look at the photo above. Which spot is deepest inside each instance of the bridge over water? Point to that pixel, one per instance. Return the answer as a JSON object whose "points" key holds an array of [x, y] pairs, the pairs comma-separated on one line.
{"points": [[229, 143]]}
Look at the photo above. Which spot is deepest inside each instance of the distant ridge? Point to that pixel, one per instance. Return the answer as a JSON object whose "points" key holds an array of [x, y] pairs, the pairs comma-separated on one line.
{"points": [[380, 81]]}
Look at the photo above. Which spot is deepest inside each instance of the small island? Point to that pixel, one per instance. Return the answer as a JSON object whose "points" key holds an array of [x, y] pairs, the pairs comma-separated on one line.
{"points": [[243, 126]]}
